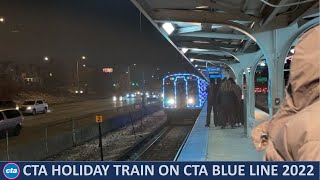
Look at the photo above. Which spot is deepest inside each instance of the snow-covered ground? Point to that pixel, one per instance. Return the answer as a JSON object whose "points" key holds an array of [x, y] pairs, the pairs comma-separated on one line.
{"points": [[115, 142]]}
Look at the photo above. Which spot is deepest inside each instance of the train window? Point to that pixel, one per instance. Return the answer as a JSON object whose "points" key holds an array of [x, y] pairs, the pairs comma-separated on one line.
{"points": [[168, 88], [193, 88]]}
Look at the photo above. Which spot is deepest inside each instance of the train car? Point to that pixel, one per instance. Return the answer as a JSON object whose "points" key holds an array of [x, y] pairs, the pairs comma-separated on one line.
{"points": [[183, 95]]}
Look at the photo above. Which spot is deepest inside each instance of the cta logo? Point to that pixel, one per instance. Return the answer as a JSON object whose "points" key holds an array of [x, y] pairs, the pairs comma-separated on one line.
{"points": [[11, 171]]}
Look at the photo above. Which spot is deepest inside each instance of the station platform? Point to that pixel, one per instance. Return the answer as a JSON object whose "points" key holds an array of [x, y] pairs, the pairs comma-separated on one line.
{"points": [[216, 144]]}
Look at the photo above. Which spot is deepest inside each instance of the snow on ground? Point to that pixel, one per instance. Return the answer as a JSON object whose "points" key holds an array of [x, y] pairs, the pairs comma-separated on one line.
{"points": [[115, 142]]}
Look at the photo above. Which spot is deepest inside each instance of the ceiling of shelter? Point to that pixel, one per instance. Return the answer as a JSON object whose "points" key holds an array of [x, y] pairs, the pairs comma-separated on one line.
{"points": [[207, 31]]}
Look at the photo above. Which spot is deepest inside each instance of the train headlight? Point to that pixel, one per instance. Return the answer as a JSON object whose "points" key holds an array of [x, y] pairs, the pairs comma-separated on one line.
{"points": [[171, 101], [114, 98], [190, 101]]}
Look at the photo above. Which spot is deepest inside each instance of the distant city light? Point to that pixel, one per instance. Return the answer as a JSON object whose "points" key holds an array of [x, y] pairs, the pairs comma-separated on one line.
{"points": [[184, 50], [107, 70], [168, 27], [134, 64], [152, 76], [1, 19], [50, 74], [196, 65], [83, 57], [158, 69], [84, 65], [46, 58]]}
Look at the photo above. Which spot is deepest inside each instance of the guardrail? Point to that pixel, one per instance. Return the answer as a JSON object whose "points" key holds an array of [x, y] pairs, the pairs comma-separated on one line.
{"points": [[52, 138]]}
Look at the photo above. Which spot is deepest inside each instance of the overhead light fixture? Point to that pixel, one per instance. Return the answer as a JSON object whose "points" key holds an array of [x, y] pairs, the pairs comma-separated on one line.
{"points": [[202, 7], [196, 65], [201, 42], [184, 50], [191, 59], [262, 64], [216, 26], [199, 69], [168, 27]]}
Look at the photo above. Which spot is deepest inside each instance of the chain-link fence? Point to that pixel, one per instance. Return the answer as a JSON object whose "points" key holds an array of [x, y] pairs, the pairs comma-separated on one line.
{"points": [[40, 143]]}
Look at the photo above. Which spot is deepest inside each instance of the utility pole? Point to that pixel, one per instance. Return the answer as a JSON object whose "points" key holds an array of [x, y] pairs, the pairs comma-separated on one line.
{"points": [[78, 80], [129, 78], [143, 94]]}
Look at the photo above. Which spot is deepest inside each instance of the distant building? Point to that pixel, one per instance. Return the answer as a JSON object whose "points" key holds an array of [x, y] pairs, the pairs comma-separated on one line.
{"points": [[23, 74]]}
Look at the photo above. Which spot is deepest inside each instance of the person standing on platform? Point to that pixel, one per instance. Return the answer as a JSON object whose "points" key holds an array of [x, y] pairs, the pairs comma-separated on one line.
{"points": [[238, 110], [210, 101], [293, 132], [215, 102], [226, 100]]}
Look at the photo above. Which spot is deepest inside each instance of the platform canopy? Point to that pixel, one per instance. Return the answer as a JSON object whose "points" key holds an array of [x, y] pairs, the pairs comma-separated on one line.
{"points": [[217, 31]]}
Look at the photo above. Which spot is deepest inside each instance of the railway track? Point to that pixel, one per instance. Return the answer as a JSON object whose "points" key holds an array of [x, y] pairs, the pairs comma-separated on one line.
{"points": [[163, 145]]}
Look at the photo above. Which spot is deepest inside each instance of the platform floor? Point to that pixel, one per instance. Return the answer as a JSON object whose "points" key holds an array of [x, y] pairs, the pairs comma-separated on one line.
{"points": [[216, 144]]}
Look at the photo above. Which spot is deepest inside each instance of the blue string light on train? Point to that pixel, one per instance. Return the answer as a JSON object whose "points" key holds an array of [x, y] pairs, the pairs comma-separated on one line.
{"points": [[201, 89]]}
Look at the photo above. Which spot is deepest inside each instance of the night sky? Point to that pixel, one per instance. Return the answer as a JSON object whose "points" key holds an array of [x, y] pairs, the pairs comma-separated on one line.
{"points": [[106, 32]]}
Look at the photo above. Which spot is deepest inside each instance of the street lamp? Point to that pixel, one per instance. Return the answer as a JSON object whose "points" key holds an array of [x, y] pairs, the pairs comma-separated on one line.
{"points": [[78, 79], [129, 76]]}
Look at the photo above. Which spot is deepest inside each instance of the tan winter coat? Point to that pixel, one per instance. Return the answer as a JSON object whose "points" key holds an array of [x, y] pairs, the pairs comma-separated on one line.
{"points": [[294, 131]]}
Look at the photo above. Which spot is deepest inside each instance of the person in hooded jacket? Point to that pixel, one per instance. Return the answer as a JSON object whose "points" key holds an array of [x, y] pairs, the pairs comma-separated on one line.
{"points": [[238, 112], [216, 108], [227, 104], [293, 132]]}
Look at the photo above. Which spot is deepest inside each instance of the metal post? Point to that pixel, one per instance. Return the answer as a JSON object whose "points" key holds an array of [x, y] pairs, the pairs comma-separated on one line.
{"points": [[73, 132], [78, 79], [100, 142], [129, 81], [47, 149], [134, 132], [143, 94], [245, 92], [7, 139]]}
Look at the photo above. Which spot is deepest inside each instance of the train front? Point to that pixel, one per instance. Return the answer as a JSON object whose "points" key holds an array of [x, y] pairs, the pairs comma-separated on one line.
{"points": [[184, 95]]}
